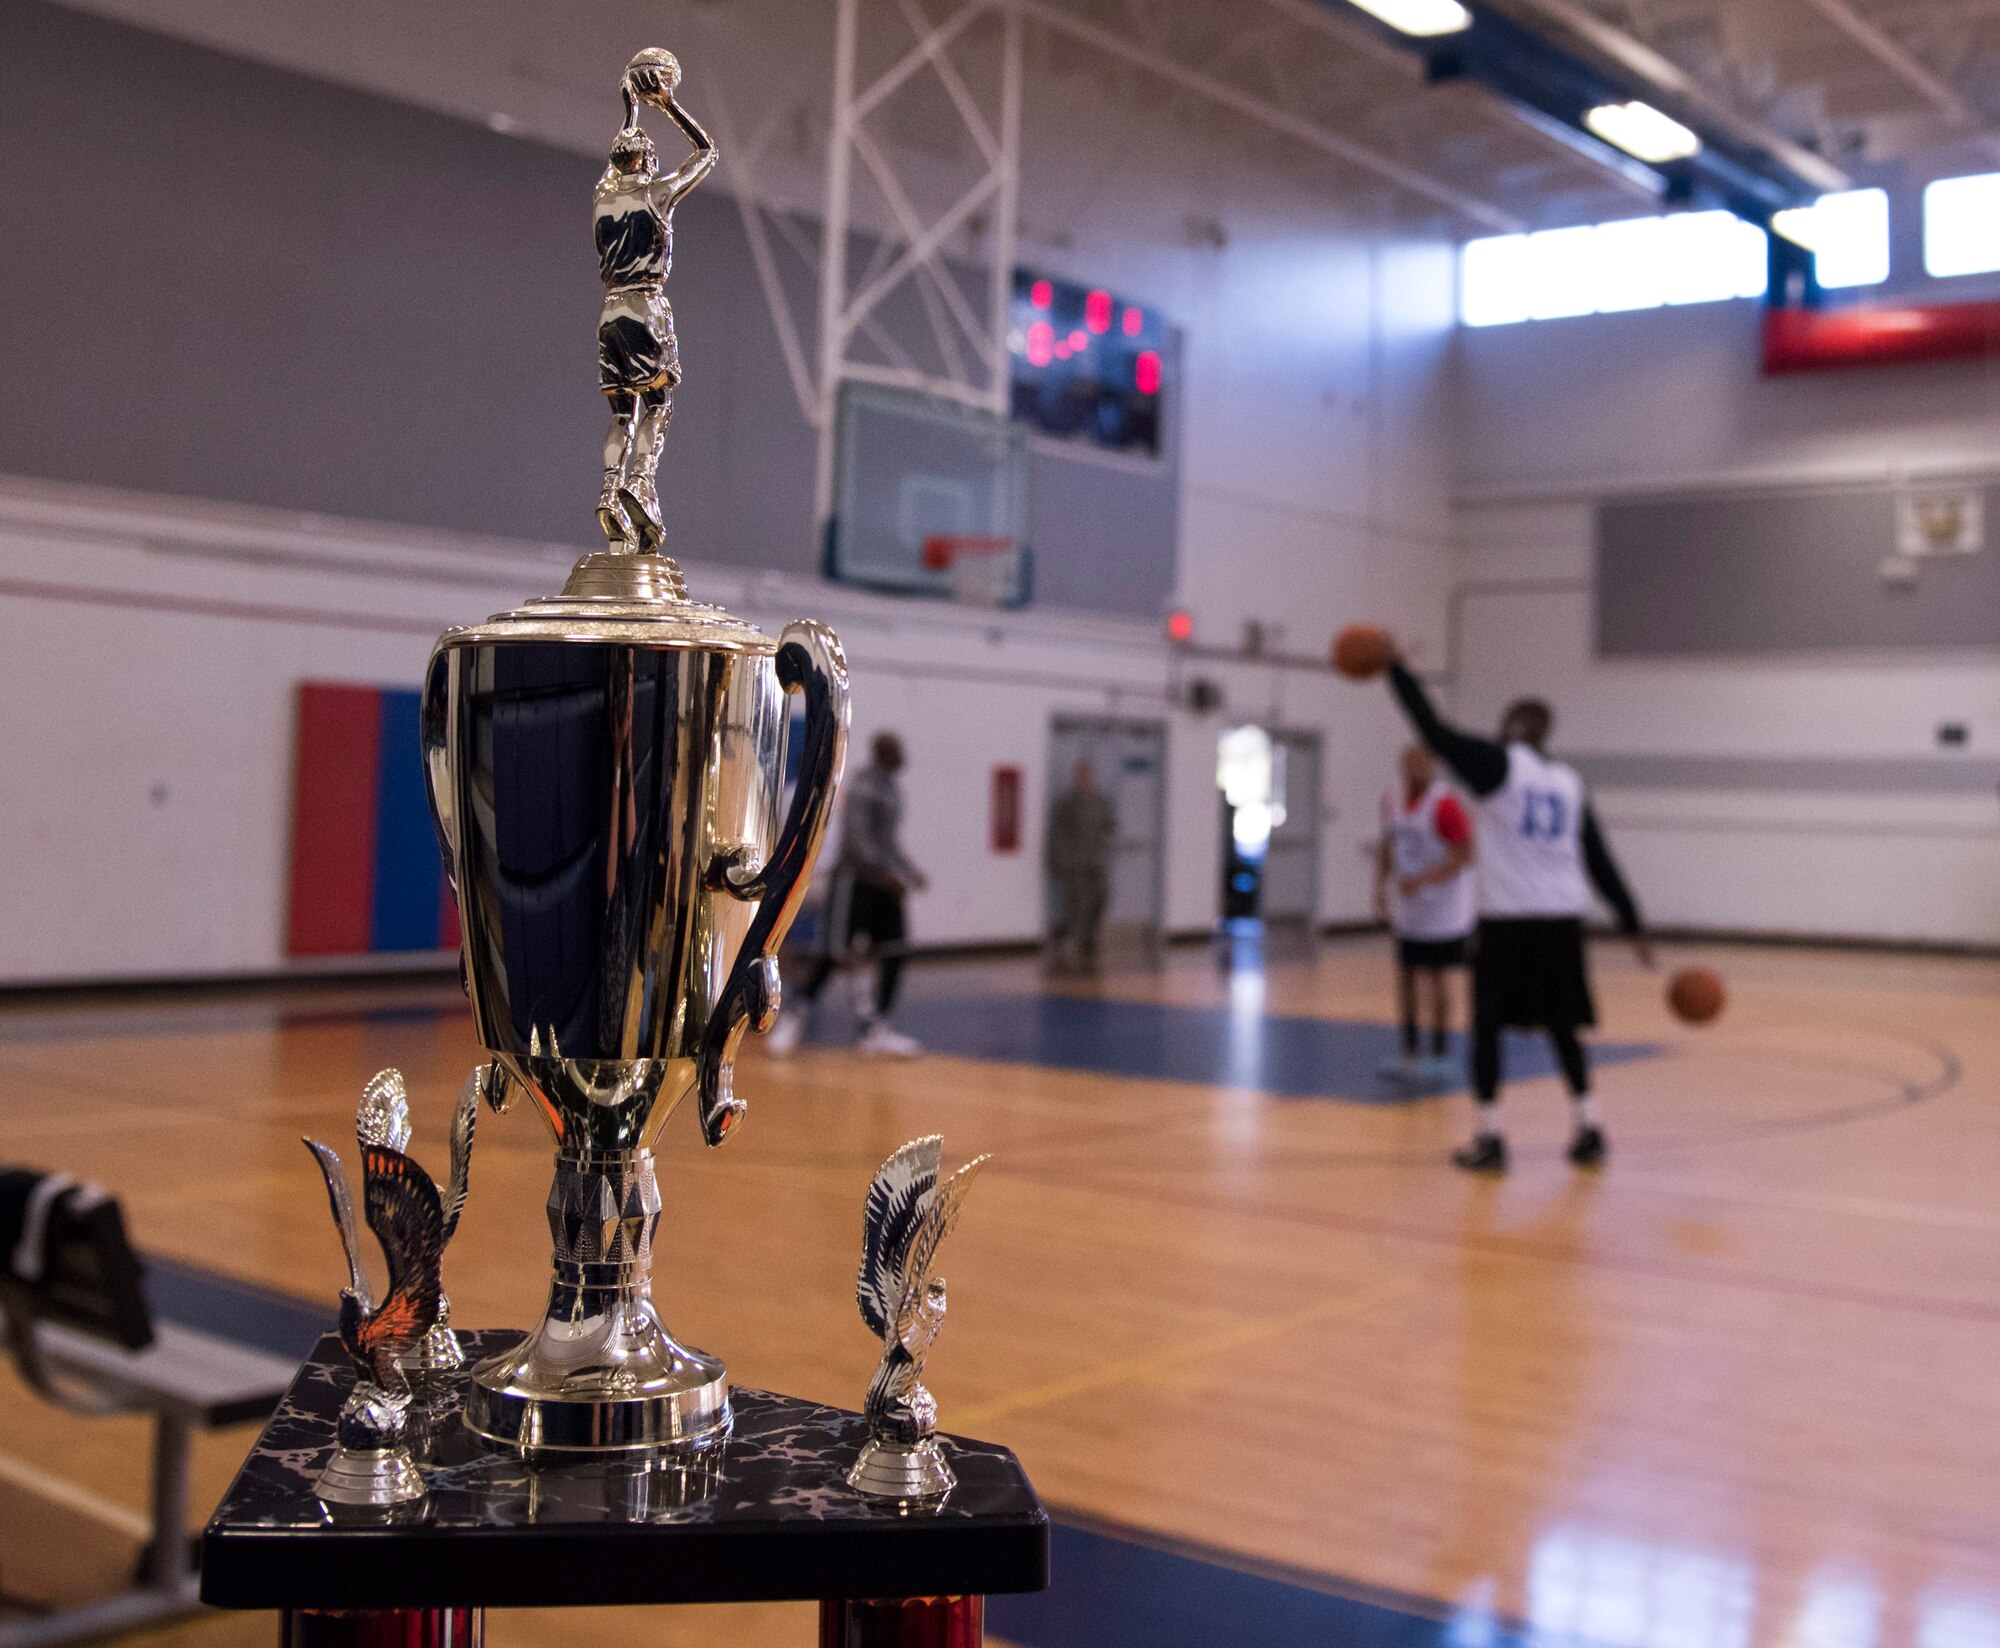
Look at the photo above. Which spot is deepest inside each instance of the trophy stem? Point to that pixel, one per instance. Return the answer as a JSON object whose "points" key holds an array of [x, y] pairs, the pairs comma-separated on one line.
{"points": [[600, 1374]]}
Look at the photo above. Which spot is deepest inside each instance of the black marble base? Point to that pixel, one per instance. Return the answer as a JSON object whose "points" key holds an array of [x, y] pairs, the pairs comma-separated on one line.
{"points": [[768, 1518]]}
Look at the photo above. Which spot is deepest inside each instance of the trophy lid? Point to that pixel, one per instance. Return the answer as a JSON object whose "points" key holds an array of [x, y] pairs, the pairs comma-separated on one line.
{"points": [[622, 597]]}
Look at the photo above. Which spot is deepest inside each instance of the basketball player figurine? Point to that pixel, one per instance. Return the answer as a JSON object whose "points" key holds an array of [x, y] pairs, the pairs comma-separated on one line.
{"points": [[638, 358], [906, 1219], [371, 1463]]}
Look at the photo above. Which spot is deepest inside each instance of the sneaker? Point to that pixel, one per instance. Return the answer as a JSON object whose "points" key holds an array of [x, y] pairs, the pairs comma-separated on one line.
{"points": [[1486, 1154], [611, 514], [1405, 1070], [785, 1036], [1440, 1068], [882, 1041], [1588, 1148], [642, 509]]}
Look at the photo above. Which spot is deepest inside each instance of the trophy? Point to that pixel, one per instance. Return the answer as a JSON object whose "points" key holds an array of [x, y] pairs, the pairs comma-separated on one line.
{"points": [[606, 772], [903, 1224], [371, 1463]]}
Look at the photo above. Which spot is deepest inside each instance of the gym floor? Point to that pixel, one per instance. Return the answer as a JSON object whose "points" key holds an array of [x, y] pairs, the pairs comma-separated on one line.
{"points": [[1267, 1357]]}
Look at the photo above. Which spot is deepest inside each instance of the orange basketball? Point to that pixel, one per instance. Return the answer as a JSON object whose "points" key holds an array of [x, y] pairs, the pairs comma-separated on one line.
{"points": [[1696, 995], [1362, 650]]}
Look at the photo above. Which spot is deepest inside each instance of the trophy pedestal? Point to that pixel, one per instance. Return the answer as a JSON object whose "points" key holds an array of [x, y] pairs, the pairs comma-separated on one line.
{"points": [[601, 1375], [765, 1517]]}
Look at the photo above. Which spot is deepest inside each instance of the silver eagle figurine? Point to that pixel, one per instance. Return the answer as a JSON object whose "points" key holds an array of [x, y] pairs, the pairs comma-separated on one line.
{"points": [[384, 1118], [384, 1338], [907, 1216]]}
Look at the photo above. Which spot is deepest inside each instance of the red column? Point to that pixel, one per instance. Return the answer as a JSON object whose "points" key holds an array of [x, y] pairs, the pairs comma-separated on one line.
{"points": [[383, 1628], [903, 1622]]}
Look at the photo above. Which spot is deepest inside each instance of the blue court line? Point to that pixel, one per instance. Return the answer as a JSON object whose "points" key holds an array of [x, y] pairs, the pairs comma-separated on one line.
{"points": [[1114, 1590], [1303, 1058], [243, 1312]]}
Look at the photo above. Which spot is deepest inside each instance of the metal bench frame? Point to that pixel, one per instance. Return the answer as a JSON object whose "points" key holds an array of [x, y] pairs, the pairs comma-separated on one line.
{"points": [[185, 1380]]}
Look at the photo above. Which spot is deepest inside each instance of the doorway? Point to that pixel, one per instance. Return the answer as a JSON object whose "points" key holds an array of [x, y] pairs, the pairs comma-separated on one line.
{"points": [[1269, 781], [1128, 762]]}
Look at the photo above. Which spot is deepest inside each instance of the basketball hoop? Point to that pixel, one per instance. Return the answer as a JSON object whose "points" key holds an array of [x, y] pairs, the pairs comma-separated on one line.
{"points": [[984, 566]]}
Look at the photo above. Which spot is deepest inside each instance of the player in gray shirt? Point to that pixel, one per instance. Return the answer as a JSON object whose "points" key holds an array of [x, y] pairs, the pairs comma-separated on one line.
{"points": [[865, 913]]}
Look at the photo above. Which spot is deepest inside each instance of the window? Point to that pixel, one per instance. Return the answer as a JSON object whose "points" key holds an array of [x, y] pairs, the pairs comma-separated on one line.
{"points": [[1635, 263], [1962, 225], [1847, 234]]}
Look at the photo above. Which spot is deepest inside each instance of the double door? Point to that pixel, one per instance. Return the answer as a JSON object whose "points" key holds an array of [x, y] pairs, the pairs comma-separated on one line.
{"points": [[1128, 760]]}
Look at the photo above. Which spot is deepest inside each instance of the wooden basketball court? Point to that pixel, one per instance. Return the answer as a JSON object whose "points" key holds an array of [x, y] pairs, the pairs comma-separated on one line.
{"points": [[1736, 1388]]}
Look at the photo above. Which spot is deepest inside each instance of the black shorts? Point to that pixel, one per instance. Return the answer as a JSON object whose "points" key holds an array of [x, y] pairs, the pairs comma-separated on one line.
{"points": [[863, 910], [1430, 953], [636, 346], [1528, 974]]}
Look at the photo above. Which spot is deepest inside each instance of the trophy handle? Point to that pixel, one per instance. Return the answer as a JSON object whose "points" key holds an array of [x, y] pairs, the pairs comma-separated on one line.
{"points": [[434, 732], [809, 661]]}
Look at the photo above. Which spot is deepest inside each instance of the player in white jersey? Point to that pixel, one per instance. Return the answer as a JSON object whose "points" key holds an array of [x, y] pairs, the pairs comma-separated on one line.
{"points": [[1423, 888], [1540, 854]]}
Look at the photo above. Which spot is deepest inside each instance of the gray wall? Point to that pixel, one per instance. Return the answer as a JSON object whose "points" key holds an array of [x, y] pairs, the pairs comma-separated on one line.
{"points": [[1777, 573], [220, 280]]}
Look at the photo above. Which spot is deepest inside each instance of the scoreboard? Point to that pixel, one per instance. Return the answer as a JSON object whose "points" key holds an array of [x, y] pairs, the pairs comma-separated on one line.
{"points": [[1087, 366]]}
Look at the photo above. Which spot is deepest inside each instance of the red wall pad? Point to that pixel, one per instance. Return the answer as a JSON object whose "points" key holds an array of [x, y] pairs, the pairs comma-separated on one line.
{"points": [[333, 820], [1819, 340]]}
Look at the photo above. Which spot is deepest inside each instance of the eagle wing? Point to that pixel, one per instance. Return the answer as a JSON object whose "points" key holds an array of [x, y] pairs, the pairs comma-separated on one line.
{"points": [[342, 1200], [407, 1216], [935, 1219], [463, 1120], [384, 1113], [888, 1222]]}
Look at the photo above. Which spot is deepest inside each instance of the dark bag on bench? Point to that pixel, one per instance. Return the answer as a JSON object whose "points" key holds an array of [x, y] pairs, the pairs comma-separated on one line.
{"points": [[65, 1254]]}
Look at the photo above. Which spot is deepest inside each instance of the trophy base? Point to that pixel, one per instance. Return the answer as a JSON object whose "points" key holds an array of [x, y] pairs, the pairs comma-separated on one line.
{"points": [[370, 1476], [905, 1472], [429, 1366], [676, 1402]]}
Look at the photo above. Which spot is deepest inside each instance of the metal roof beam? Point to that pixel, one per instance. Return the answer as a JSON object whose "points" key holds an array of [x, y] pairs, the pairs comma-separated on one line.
{"points": [[1308, 132], [1668, 77], [1885, 51]]}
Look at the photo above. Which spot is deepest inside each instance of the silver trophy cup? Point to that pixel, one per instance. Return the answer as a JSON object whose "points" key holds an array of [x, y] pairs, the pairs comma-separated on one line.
{"points": [[606, 770]]}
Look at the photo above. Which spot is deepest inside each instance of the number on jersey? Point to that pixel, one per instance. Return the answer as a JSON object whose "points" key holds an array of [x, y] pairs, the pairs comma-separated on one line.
{"points": [[1544, 813]]}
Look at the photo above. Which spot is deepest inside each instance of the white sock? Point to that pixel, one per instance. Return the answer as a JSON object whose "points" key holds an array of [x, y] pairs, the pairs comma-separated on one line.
{"points": [[1486, 1119], [1586, 1112]]}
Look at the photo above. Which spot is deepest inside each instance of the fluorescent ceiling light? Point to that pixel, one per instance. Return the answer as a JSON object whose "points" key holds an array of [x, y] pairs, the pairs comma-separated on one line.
{"points": [[1643, 132], [1423, 17], [1847, 234]]}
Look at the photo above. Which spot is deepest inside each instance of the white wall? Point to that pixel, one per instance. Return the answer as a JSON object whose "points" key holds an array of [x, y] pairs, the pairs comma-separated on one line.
{"points": [[1315, 491], [1551, 417], [150, 651], [150, 648]]}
